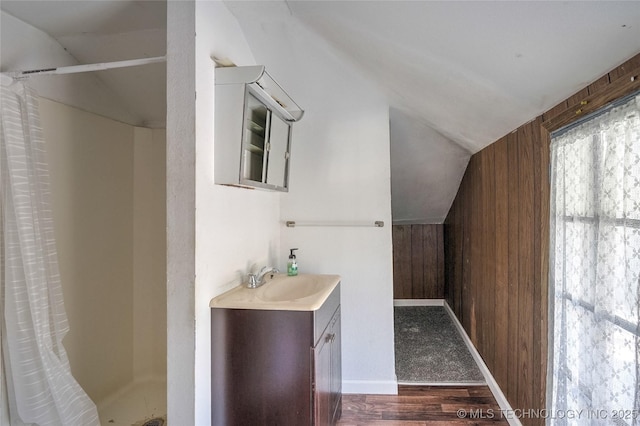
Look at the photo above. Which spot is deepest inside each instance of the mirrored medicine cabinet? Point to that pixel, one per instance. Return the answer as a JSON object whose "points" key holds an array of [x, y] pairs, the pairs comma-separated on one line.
{"points": [[253, 126]]}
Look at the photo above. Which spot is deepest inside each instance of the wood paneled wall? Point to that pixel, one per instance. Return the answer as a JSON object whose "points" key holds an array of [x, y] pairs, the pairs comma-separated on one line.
{"points": [[496, 249], [418, 261]]}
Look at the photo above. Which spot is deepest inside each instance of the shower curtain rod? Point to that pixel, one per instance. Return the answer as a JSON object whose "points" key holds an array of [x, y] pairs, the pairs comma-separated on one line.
{"points": [[73, 69]]}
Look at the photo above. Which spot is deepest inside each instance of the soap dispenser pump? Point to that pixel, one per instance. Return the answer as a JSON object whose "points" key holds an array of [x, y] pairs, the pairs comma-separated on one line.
{"points": [[292, 265]]}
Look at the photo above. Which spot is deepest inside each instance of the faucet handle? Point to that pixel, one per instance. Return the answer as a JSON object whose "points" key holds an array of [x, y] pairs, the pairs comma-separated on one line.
{"points": [[253, 281]]}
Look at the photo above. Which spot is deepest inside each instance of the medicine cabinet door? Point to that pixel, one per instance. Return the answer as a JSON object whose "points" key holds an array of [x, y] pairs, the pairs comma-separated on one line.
{"points": [[278, 147]]}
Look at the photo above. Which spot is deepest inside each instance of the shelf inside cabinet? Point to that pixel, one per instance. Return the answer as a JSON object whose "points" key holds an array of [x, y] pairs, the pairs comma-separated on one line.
{"points": [[255, 149], [255, 128]]}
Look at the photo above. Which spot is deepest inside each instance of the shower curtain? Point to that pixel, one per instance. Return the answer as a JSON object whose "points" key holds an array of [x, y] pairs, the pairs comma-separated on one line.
{"points": [[36, 385]]}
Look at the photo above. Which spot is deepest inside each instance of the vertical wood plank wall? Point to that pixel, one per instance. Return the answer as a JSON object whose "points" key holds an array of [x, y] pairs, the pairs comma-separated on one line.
{"points": [[496, 253], [418, 261]]}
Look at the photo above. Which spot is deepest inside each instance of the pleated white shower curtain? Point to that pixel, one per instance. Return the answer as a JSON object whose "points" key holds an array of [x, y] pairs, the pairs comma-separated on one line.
{"points": [[36, 385], [595, 271]]}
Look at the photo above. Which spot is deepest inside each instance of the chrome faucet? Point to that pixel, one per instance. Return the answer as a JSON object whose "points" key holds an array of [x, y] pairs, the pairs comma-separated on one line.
{"points": [[256, 280]]}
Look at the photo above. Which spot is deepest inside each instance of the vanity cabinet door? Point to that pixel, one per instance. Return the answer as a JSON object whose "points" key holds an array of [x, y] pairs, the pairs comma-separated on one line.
{"points": [[261, 367], [322, 381], [336, 369], [328, 375]]}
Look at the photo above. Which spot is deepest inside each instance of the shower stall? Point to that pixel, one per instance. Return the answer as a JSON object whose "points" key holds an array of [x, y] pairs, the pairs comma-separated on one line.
{"points": [[108, 188], [98, 69], [107, 193]]}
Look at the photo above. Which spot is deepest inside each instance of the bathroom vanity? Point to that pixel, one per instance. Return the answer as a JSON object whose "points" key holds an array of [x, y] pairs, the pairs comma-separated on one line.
{"points": [[275, 353]]}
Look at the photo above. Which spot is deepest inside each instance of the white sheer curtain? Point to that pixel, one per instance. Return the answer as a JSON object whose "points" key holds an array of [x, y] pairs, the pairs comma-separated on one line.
{"points": [[595, 271], [37, 385]]}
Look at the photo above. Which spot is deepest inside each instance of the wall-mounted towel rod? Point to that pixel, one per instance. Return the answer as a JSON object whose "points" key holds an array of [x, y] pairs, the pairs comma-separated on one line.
{"points": [[73, 69], [294, 223]]}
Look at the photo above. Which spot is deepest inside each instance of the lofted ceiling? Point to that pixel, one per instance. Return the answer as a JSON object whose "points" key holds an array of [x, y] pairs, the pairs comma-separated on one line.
{"points": [[458, 75]]}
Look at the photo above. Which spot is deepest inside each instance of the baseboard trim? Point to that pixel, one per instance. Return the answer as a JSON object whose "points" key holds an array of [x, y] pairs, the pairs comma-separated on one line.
{"points": [[389, 387], [418, 302], [491, 381], [443, 384]]}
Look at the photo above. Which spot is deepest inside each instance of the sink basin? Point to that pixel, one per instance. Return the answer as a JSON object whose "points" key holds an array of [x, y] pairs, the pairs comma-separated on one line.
{"points": [[283, 289], [304, 292]]}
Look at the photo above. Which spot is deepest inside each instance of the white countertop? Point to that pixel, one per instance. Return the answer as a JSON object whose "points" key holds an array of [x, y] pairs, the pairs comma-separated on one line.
{"points": [[303, 292]]}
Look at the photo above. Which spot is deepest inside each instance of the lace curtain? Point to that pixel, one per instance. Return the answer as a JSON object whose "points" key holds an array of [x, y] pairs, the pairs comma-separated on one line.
{"points": [[594, 307], [36, 385]]}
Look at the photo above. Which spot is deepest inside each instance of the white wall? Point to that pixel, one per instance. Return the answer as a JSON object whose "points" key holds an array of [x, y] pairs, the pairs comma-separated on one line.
{"points": [[181, 153], [234, 230], [340, 171]]}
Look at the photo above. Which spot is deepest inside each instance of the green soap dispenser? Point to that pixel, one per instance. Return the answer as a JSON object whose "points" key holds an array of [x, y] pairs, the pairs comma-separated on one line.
{"points": [[292, 264]]}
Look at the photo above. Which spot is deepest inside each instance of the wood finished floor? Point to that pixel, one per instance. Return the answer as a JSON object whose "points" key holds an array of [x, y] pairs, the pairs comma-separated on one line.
{"points": [[422, 406]]}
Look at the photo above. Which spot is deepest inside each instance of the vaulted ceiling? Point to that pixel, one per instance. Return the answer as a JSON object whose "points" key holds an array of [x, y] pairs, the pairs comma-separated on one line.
{"points": [[458, 75]]}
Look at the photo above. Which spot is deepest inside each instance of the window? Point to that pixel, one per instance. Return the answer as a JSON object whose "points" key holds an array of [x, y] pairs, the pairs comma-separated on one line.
{"points": [[595, 269]]}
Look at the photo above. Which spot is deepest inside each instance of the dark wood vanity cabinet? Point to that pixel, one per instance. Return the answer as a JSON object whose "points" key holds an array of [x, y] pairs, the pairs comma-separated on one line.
{"points": [[328, 375], [276, 367]]}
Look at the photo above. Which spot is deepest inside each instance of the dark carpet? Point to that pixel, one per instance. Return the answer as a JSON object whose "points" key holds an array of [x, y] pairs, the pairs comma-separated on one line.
{"points": [[429, 348]]}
